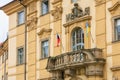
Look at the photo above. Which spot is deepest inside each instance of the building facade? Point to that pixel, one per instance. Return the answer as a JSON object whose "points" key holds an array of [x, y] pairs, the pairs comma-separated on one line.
{"points": [[4, 61], [63, 39]]}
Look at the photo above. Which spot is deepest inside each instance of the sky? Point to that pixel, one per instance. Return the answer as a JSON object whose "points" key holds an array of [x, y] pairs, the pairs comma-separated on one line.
{"points": [[4, 23]]}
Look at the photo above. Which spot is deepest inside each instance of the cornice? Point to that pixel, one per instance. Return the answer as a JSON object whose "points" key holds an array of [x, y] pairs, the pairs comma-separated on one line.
{"points": [[117, 4], [14, 6], [77, 20]]}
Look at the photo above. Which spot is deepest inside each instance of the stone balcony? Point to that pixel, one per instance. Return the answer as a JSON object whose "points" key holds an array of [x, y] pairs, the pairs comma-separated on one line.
{"points": [[91, 59]]}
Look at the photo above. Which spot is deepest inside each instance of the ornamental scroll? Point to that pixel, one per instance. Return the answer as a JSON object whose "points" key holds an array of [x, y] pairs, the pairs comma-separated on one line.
{"points": [[77, 12]]}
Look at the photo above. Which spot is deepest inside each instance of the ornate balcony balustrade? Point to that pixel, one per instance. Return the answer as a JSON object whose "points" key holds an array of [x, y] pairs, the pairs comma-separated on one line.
{"points": [[91, 59]]}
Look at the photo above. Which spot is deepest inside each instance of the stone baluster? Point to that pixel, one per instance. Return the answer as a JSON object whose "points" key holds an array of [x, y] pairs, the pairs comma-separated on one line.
{"points": [[77, 57], [62, 59]]}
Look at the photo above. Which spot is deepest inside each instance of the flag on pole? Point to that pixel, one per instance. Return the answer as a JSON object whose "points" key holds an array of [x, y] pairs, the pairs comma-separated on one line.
{"points": [[87, 29], [58, 40]]}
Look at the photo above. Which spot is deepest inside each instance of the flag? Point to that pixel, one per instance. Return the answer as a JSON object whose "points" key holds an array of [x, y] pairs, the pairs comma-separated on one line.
{"points": [[87, 29], [58, 40]]}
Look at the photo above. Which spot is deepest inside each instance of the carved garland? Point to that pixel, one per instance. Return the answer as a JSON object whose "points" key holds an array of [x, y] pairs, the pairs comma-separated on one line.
{"points": [[57, 12], [31, 24]]}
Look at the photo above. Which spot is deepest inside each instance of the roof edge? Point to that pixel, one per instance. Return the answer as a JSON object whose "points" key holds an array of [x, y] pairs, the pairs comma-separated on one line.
{"points": [[7, 4]]}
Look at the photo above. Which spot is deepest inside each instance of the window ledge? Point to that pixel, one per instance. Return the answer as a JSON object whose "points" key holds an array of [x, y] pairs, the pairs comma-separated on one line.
{"points": [[20, 24], [44, 14], [44, 58], [20, 64], [116, 41]]}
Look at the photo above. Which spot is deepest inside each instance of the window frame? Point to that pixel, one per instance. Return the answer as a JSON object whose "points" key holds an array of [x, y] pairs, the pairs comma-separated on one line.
{"points": [[113, 29], [18, 23], [42, 7], [23, 56], [41, 55], [76, 28]]}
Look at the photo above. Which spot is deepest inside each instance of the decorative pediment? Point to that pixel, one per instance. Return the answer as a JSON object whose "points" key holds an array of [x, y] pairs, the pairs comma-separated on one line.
{"points": [[115, 6], [44, 31]]}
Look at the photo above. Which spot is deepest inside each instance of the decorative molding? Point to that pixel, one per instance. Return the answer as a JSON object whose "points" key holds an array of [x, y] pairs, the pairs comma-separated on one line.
{"points": [[44, 30], [31, 24], [115, 68], [32, 7], [56, 1], [77, 12], [57, 12], [98, 2], [116, 5]]}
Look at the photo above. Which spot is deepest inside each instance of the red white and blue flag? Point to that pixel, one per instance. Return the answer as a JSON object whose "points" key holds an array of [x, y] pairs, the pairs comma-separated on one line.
{"points": [[58, 40]]}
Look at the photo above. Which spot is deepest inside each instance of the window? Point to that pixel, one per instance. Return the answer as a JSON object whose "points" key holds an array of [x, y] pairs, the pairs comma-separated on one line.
{"points": [[45, 7], [45, 49], [21, 17], [117, 29], [74, 1], [20, 56], [77, 39]]}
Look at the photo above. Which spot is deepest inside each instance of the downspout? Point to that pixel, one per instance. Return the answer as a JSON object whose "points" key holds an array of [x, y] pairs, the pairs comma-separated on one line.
{"points": [[25, 37]]}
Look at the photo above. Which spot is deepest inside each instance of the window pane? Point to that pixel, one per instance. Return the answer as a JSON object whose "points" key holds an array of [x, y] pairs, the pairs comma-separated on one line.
{"points": [[21, 17], [117, 29], [20, 56], [77, 39], [118, 22], [45, 49], [44, 7]]}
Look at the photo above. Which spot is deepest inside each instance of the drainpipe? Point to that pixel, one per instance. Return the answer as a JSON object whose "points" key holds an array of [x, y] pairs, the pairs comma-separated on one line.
{"points": [[25, 43]]}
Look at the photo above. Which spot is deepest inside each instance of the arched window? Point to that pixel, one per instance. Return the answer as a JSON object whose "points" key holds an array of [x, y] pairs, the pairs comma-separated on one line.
{"points": [[77, 39]]}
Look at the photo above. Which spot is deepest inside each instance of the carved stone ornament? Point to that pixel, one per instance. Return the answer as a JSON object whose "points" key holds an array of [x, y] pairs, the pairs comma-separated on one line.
{"points": [[77, 12], [99, 2], [57, 12], [31, 24], [44, 30], [116, 5], [32, 7]]}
